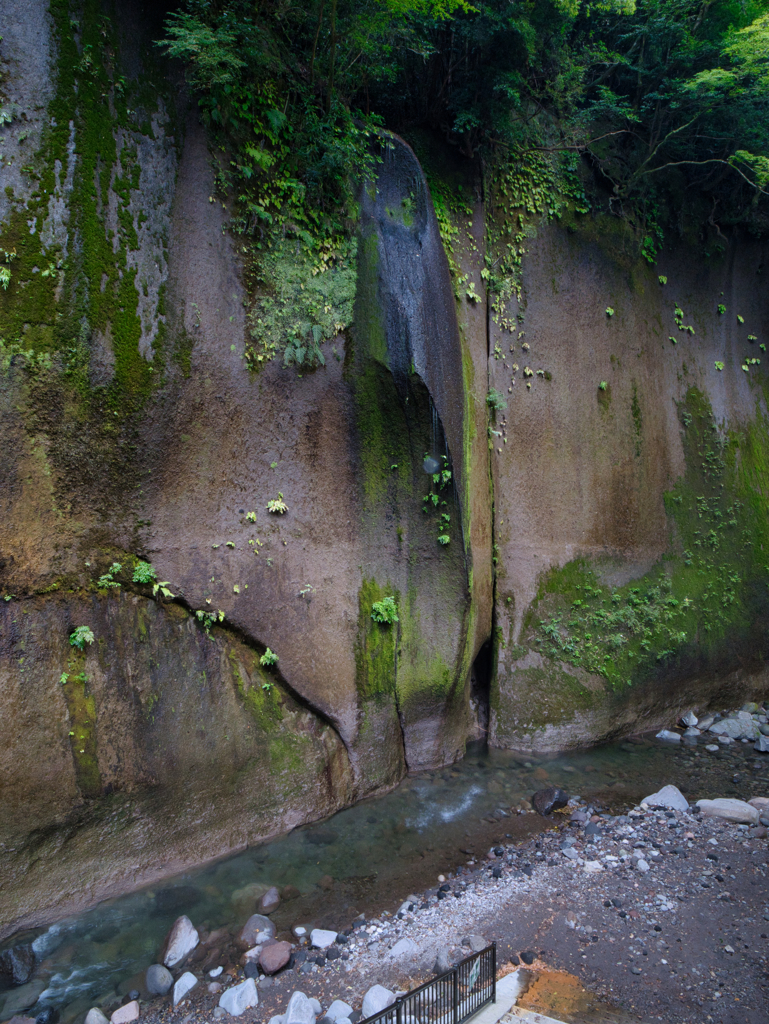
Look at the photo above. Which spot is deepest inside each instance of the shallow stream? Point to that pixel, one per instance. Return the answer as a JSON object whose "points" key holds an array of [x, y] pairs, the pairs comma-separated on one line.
{"points": [[366, 858]]}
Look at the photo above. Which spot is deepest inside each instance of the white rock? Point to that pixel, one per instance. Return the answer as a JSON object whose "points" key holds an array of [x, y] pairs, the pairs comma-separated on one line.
{"points": [[377, 998], [182, 939], [705, 722], [214, 988], [238, 998], [712, 747], [670, 797], [668, 736], [730, 810], [299, 1010], [315, 1004], [642, 866], [692, 732], [338, 1010], [592, 867], [95, 1016], [689, 718], [761, 802], [402, 948], [321, 939], [277, 1019], [215, 972], [762, 744], [185, 984], [126, 1013]]}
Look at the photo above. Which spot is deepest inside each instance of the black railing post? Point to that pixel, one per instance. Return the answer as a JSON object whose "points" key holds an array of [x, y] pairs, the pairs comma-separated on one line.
{"points": [[493, 972], [398, 1010], [455, 994]]}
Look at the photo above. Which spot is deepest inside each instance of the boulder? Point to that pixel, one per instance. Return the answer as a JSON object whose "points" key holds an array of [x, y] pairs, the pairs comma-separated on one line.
{"points": [[705, 722], [257, 930], [299, 1010], [475, 942], [760, 802], [377, 998], [321, 939], [339, 1010], [126, 1013], [23, 997], [238, 998], [762, 744], [689, 718], [274, 956], [244, 900], [158, 980], [669, 797], [546, 801], [269, 901], [185, 984], [668, 736], [315, 1004], [737, 811], [180, 941], [95, 1016], [442, 963], [403, 948], [17, 964], [290, 892]]}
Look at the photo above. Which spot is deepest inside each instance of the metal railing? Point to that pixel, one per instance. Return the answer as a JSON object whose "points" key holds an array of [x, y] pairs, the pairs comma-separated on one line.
{"points": [[451, 998]]}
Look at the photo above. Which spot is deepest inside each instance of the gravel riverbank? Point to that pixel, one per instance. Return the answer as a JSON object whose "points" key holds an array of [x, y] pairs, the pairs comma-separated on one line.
{"points": [[663, 914]]}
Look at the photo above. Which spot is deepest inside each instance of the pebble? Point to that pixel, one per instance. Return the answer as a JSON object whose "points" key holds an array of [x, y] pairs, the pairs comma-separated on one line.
{"points": [[95, 1016]]}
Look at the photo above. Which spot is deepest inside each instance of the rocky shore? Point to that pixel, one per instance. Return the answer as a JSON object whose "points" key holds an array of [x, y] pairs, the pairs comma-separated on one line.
{"points": [[658, 913]]}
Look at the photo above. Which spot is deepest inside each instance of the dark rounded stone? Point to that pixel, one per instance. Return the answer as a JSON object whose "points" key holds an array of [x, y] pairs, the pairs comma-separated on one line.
{"points": [[446, 887], [514, 960], [617, 902], [49, 1015], [320, 961], [332, 953], [500, 850], [545, 801], [251, 970], [497, 872], [17, 964], [342, 939], [442, 895], [529, 956]]}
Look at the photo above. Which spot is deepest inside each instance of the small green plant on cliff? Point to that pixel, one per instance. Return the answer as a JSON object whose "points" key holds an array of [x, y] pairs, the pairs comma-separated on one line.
{"points": [[719, 365], [602, 386], [721, 308], [277, 505], [268, 659], [144, 573], [496, 400], [80, 637], [162, 589], [107, 580], [385, 611], [609, 311], [662, 279]]}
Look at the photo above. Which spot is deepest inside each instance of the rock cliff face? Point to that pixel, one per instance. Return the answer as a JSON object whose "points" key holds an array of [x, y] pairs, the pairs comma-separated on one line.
{"points": [[602, 564]]}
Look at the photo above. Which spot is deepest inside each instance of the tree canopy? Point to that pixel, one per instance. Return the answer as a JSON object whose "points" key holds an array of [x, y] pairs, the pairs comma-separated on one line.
{"points": [[665, 101]]}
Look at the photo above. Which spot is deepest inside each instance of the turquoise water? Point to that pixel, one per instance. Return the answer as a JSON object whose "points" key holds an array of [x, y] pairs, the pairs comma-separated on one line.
{"points": [[368, 857]]}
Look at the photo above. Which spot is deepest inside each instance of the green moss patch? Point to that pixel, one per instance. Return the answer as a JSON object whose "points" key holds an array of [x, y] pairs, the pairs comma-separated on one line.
{"points": [[375, 647], [705, 605], [81, 707]]}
